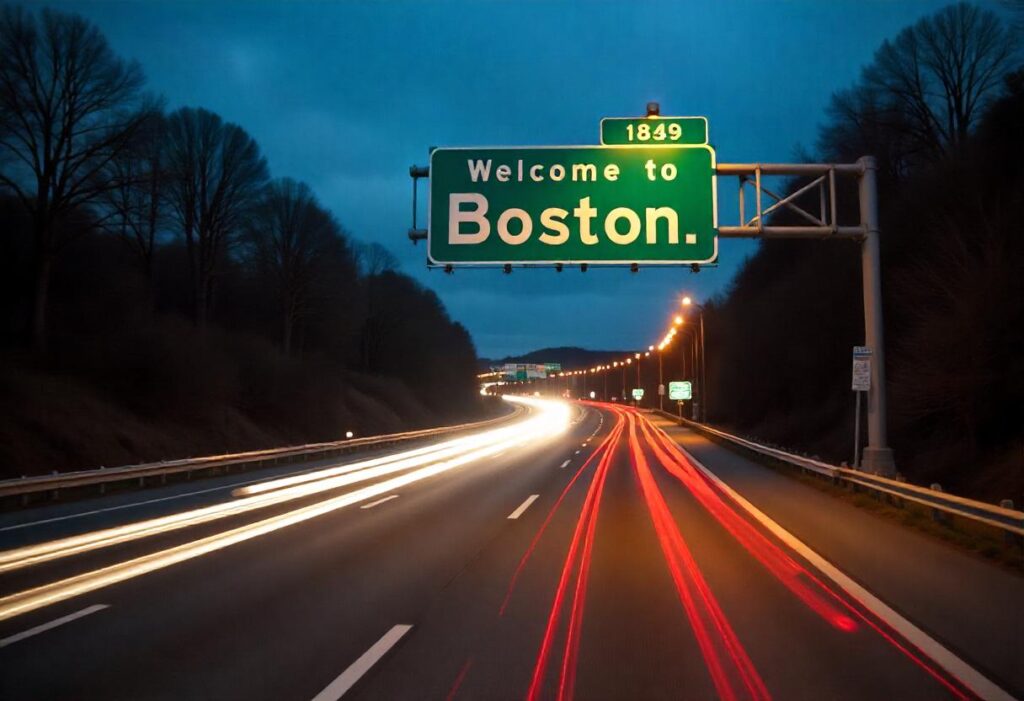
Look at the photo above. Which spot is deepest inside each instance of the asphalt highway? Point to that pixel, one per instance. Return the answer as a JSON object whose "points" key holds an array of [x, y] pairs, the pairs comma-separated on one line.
{"points": [[583, 551]]}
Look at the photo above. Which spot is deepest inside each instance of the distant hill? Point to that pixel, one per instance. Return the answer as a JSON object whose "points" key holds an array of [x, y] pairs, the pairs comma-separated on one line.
{"points": [[570, 357]]}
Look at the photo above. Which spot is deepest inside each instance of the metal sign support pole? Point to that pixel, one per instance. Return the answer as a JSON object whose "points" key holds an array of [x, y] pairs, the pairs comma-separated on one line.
{"points": [[877, 455], [856, 434]]}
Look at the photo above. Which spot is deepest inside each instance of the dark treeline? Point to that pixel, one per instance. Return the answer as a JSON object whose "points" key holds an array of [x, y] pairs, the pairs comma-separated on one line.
{"points": [[164, 295], [941, 106]]}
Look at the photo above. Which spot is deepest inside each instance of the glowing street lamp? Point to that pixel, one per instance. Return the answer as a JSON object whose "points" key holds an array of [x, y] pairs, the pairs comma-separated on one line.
{"points": [[687, 302]]}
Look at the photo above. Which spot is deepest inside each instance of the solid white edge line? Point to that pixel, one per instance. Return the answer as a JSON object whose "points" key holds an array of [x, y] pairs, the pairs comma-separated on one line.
{"points": [[975, 680], [523, 507], [119, 507], [566, 463], [347, 679], [378, 502], [18, 637]]}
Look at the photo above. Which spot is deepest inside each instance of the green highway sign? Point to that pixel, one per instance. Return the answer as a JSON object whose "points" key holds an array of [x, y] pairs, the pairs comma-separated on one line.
{"points": [[638, 393], [572, 204], [680, 391], [653, 131]]}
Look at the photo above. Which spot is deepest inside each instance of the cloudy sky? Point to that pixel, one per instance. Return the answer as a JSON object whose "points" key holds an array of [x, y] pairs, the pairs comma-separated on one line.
{"points": [[348, 95]]}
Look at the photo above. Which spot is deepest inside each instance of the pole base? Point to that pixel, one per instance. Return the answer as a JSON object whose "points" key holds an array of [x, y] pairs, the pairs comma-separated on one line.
{"points": [[878, 461]]}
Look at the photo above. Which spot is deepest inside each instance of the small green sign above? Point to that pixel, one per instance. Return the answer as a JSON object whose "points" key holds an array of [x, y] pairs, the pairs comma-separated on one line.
{"points": [[654, 131], [680, 391]]}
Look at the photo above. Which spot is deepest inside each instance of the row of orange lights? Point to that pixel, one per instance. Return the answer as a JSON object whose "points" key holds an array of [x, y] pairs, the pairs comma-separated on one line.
{"points": [[665, 342]]}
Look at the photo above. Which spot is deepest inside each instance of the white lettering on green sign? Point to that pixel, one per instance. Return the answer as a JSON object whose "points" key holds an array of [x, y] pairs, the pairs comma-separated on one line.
{"points": [[572, 204]]}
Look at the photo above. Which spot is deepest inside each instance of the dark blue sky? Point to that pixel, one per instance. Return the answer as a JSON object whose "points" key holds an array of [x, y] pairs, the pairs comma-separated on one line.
{"points": [[347, 95]]}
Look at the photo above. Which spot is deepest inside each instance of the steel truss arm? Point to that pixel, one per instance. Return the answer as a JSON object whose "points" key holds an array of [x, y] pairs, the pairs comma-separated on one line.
{"points": [[823, 225]]}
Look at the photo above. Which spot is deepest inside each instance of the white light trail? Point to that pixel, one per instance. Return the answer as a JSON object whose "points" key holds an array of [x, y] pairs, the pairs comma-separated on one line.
{"points": [[552, 420]]}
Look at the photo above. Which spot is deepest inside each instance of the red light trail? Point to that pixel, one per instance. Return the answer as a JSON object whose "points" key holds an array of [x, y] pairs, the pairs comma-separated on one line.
{"points": [[783, 567], [730, 667], [714, 634], [584, 525], [612, 435], [682, 464]]}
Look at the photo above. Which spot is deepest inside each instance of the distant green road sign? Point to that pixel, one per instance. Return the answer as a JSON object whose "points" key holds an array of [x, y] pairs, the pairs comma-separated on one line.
{"points": [[680, 391], [638, 393], [572, 204], [653, 131]]}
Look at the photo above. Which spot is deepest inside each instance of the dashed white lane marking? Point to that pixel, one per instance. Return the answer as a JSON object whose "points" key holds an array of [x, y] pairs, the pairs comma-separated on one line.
{"points": [[974, 679], [566, 463], [523, 507], [52, 624], [378, 502], [345, 681], [576, 453]]}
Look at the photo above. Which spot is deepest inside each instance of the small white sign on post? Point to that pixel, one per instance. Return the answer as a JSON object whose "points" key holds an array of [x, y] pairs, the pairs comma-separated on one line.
{"points": [[861, 383], [861, 369]]}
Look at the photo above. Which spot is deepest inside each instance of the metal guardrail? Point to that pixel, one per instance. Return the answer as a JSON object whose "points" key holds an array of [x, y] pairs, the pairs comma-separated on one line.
{"points": [[1010, 521], [26, 486]]}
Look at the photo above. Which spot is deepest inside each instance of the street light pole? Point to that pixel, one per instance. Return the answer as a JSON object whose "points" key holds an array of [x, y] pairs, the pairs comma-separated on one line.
{"points": [[703, 372], [637, 356], [661, 383], [699, 370]]}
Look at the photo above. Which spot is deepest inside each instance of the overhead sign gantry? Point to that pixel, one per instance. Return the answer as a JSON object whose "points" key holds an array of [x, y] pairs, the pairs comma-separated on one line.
{"points": [[647, 195]]}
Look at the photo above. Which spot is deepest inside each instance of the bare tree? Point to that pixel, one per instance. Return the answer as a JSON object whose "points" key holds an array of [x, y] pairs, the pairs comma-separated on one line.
{"points": [[375, 264], [290, 236], [925, 90], [68, 106], [375, 259], [940, 73], [215, 175], [136, 203]]}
